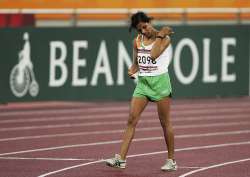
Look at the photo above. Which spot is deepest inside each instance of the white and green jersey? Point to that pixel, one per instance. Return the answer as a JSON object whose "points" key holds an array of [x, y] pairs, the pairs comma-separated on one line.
{"points": [[147, 66]]}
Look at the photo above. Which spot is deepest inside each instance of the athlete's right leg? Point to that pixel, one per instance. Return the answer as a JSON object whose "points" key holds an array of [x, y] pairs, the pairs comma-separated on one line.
{"points": [[137, 106]]}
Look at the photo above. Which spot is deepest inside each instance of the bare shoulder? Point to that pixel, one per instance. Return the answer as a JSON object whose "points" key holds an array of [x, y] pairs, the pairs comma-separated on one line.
{"points": [[136, 41]]}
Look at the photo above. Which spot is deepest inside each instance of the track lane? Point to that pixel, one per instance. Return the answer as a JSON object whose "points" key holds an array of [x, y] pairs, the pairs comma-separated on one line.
{"points": [[226, 110]]}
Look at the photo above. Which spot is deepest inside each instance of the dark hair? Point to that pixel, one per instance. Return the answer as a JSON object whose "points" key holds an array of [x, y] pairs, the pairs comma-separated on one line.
{"points": [[137, 18]]}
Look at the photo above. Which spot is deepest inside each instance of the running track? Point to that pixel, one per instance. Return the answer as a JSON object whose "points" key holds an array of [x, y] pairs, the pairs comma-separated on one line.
{"points": [[70, 139]]}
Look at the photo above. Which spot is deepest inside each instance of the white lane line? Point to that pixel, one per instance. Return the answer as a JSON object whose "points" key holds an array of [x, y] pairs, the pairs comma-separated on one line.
{"points": [[151, 153], [110, 116], [69, 159], [121, 131], [184, 167], [214, 166], [82, 110], [54, 104], [68, 168], [49, 159], [72, 117], [126, 109], [134, 140], [119, 122], [68, 105]]}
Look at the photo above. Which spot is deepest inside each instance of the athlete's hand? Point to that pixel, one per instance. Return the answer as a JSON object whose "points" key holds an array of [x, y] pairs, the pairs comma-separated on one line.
{"points": [[132, 70], [165, 31]]}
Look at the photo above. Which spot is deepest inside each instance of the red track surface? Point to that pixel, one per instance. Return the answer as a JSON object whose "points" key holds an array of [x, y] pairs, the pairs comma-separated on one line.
{"points": [[71, 139]]}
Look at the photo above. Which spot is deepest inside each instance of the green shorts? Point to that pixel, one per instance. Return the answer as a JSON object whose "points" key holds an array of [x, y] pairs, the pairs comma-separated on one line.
{"points": [[153, 88]]}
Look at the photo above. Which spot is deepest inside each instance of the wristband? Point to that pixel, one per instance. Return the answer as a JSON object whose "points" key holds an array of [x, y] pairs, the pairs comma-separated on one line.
{"points": [[161, 37]]}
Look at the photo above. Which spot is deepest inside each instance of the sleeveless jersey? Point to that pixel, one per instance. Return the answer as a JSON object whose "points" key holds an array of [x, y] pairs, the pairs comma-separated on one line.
{"points": [[147, 66]]}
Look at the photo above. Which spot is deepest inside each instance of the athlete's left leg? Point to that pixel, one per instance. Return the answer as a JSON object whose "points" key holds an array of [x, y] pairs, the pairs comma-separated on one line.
{"points": [[163, 107]]}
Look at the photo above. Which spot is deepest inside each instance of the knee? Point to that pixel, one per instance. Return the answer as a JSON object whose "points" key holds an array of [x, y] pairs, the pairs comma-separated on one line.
{"points": [[132, 121], [168, 128], [163, 121], [166, 124]]}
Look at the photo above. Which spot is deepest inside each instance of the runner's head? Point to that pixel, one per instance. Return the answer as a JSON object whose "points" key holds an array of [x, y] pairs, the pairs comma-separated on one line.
{"points": [[137, 18]]}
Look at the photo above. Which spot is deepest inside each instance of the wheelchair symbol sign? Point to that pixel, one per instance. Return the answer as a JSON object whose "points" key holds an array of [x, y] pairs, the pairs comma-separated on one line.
{"points": [[22, 76]]}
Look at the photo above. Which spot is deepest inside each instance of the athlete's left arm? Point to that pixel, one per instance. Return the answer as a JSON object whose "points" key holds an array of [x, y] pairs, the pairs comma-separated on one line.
{"points": [[161, 43], [134, 68]]}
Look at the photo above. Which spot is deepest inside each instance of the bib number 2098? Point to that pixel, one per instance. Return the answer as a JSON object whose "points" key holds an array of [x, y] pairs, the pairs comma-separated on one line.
{"points": [[144, 60]]}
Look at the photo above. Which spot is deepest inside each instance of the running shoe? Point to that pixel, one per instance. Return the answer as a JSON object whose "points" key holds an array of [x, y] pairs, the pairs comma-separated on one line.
{"points": [[116, 162], [170, 165]]}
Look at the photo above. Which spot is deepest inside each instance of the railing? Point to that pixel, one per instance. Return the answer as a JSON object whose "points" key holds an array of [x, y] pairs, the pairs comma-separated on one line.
{"points": [[120, 16]]}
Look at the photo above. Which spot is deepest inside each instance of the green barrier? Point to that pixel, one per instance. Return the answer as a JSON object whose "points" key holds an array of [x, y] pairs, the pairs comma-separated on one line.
{"points": [[91, 63]]}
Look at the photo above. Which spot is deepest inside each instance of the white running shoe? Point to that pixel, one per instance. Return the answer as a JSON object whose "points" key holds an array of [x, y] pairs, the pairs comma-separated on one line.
{"points": [[116, 162], [170, 165]]}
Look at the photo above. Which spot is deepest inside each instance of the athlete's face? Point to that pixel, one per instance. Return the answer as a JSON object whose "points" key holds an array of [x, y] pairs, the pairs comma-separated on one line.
{"points": [[145, 28]]}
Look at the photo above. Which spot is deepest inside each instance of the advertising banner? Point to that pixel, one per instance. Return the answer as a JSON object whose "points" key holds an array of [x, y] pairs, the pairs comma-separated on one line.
{"points": [[86, 64]]}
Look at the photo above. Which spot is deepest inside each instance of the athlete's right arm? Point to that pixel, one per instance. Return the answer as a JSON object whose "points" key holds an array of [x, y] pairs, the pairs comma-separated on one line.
{"points": [[134, 68], [162, 42]]}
